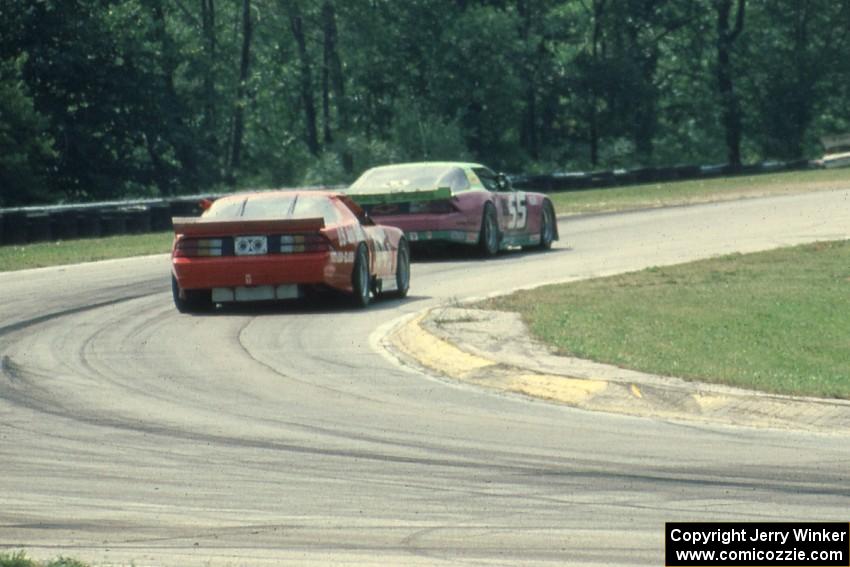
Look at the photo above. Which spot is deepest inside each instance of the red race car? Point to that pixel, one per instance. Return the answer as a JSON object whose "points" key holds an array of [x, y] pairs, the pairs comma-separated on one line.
{"points": [[280, 244], [465, 203]]}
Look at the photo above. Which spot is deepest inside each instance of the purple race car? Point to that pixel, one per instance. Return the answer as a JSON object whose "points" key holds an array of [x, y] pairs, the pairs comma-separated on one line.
{"points": [[456, 202]]}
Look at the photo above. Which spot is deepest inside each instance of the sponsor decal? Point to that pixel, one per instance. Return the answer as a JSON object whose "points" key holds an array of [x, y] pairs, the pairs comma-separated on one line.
{"points": [[517, 210], [341, 257]]}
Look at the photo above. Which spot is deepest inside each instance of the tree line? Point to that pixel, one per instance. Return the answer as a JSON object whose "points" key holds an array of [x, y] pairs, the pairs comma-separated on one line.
{"points": [[103, 99]]}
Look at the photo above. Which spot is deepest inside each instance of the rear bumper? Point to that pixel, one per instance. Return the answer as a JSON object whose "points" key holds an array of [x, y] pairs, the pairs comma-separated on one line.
{"points": [[452, 227], [255, 271]]}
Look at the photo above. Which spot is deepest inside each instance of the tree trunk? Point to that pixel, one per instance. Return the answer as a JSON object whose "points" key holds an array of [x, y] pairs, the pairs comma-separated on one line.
{"points": [[730, 107], [528, 126], [172, 112], [209, 119], [646, 115], [241, 92], [333, 70], [645, 110], [326, 95], [297, 26], [593, 117], [805, 72]]}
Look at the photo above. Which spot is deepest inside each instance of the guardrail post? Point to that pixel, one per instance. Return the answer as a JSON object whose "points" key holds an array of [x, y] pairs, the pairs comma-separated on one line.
{"points": [[15, 229], [112, 223], [88, 223], [160, 217], [138, 219], [38, 227], [63, 224]]}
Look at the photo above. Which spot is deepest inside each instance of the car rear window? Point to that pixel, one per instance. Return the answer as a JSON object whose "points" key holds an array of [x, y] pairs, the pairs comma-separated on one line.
{"points": [[262, 207]]}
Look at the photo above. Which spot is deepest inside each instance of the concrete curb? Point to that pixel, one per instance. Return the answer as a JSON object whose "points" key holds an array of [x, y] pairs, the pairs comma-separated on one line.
{"points": [[493, 350]]}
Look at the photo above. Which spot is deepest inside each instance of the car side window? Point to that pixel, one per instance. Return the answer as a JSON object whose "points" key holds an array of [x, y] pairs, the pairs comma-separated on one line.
{"points": [[455, 180], [488, 178]]}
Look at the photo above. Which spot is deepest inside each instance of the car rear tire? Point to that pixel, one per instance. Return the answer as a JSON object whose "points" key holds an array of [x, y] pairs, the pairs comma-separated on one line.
{"points": [[361, 279], [488, 241], [547, 226], [190, 300], [402, 270]]}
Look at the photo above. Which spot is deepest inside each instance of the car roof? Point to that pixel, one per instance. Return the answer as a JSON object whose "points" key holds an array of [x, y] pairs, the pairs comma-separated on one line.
{"points": [[413, 164], [278, 193]]}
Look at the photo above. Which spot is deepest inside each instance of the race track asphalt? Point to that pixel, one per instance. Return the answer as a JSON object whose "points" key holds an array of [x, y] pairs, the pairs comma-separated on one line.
{"points": [[285, 435]]}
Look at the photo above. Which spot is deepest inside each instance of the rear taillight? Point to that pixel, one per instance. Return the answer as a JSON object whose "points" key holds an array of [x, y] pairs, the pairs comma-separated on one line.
{"points": [[295, 243], [195, 247], [250, 245]]}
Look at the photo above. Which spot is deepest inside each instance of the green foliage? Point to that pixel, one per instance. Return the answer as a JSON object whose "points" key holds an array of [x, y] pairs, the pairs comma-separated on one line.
{"points": [[418, 136], [26, 152], [327, 170], [110, 98], [366, 153], [66, 562], [802, 62], [19, 559], [16, 559]]}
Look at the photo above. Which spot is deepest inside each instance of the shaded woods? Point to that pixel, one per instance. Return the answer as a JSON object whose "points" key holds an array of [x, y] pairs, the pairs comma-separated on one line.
{"points": [[104, 99]]}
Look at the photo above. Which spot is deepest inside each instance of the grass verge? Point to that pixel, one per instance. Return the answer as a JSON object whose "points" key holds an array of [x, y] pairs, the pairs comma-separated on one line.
{"points": [[84, 250], [19, 559], [699, 191], [773, 321]]}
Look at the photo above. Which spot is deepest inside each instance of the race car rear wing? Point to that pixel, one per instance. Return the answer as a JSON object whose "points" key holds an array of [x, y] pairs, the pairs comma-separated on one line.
{"points": [[200, 226], [400, 196]]}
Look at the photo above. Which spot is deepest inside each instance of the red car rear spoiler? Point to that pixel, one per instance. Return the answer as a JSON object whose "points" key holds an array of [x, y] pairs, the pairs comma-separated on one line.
{"points": [[199, 226]]}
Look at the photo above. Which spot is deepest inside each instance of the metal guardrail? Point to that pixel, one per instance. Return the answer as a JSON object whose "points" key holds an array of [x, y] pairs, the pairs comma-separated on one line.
{"points": [[23, 225], [65, 222], [578, 181]]}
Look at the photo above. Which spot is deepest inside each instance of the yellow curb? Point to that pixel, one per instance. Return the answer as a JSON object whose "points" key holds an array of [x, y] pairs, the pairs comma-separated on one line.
{"points": [[594, 394], [571, 391], [437, 354], [709, 403]]}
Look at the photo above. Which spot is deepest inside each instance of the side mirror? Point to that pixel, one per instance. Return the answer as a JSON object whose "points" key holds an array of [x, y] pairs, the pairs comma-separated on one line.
{"points": [[205, 204], [503, 183]]}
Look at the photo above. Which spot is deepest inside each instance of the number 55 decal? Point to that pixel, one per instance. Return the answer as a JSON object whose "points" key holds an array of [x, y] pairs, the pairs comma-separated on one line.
{"points": [[518, 210]]}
